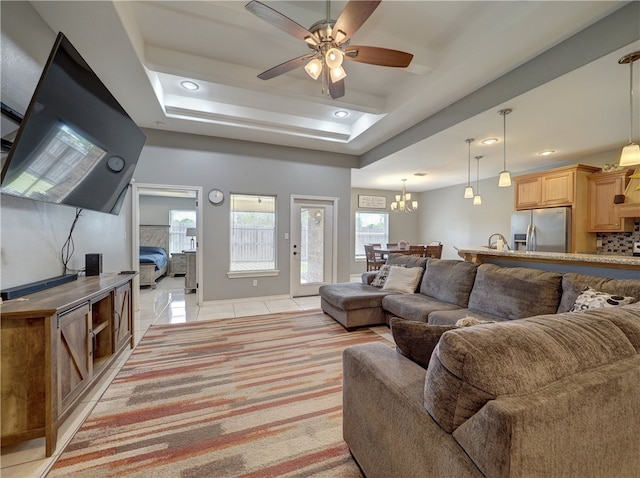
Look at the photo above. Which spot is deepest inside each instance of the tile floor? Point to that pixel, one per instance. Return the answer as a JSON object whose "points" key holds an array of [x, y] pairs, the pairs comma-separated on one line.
{"points": [[167, 304]]}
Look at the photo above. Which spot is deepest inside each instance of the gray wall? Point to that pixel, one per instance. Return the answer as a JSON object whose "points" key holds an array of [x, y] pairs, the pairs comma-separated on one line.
{"points": [[33, 233], [244, 167], [154, 210]]}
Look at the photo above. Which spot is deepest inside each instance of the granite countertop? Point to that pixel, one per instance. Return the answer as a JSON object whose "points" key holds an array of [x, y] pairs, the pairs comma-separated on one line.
{"points": [[628, 261]]}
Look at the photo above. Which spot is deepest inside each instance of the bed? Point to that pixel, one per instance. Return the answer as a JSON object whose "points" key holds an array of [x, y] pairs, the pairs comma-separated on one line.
{"points": [[154, 254]]}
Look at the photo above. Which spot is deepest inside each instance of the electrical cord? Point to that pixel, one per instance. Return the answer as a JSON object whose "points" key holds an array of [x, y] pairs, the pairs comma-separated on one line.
{"points": [[68, 248]]}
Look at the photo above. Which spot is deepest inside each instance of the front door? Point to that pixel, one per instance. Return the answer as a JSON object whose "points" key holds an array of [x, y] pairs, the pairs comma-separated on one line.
{"points": [[312, 248]]}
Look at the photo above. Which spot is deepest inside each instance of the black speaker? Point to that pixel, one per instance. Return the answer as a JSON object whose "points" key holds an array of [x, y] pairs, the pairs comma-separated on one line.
{"points": [[93, 264]]}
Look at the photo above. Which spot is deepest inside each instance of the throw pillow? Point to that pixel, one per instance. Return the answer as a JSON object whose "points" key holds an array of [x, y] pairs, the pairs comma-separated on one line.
{"points": [[593, 299], [381, 276], [417, 340], [403, 279]]}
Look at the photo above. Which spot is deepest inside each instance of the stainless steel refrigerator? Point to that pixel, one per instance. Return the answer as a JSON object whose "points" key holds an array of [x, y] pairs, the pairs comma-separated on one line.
{"points": [[545, 230]]}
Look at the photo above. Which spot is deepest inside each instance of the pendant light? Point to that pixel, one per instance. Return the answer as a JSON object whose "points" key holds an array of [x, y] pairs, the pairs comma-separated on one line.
{"points": [[631, 152], [477, 199], [468, 191], [505, 176]]}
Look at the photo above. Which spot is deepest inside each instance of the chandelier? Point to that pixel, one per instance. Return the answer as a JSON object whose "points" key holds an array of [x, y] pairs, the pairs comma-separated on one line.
{"points": [[403, 202]]}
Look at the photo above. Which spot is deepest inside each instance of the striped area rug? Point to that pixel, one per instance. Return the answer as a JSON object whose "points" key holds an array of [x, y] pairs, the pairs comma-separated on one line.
{"points": [[248, 397]]}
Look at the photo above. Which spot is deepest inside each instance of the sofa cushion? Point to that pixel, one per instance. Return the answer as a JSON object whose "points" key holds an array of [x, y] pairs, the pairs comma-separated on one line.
{"points": [[414, 306], [515, 292], [403, 279], [626, 318], [416, 340], [573, 284], [472, 365], [406, 260], [449, 280], [353, 295], [594, 299]]}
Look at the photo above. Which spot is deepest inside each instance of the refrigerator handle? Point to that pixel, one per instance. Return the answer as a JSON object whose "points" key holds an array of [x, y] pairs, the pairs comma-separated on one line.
{"points": [[528, 243], [534, 239]]}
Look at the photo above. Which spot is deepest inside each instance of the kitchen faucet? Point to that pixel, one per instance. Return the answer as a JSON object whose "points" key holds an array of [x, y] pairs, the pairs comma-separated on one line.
{"points": [[495, 244]]}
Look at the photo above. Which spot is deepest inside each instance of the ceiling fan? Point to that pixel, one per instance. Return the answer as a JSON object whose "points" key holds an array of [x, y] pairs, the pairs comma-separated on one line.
{"points": [[329, 41]]}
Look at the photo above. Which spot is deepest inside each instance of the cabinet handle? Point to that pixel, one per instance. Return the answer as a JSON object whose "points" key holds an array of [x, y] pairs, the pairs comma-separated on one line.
{"points": [[93, 342]]}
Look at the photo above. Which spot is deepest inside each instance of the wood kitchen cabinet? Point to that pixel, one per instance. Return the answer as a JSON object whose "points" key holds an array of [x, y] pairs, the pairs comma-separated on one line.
{"points": [[54, 346], [560, 187], [551, 188], [603, 213]]}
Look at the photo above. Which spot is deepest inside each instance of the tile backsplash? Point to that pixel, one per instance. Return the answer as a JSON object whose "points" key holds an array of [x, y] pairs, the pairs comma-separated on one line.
{"points": [[619, 242]]}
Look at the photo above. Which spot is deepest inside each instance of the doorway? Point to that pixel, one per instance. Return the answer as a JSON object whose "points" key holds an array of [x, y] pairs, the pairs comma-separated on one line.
{"points": [[313, 239], [167, 191]]}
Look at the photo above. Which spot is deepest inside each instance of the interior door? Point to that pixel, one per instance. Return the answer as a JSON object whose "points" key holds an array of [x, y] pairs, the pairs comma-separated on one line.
{"points": [[312, 246]]}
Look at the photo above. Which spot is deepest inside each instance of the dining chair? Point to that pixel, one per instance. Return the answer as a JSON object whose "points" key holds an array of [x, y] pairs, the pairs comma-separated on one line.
{"points": [[434, 251], [374, 261], [417, 250]]}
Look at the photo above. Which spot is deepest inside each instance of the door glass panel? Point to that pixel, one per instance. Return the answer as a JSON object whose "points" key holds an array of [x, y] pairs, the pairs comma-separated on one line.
{"points": [[312, 245]]}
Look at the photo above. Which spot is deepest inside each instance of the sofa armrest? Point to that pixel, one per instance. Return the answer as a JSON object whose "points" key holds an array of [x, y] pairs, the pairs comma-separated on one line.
{"points": [[367, 277], [384, 421], [584, 425]]}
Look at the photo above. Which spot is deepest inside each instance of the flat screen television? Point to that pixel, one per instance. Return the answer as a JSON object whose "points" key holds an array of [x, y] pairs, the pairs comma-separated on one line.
{"points": [[75, 145]]}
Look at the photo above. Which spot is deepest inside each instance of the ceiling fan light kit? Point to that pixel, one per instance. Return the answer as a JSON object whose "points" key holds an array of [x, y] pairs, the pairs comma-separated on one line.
{"points": [[631, 152], [314, 68], [329, 40]]}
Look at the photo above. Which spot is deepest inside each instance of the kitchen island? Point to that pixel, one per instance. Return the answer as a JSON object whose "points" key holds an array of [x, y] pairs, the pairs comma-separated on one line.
{"points": [[608, 265]]}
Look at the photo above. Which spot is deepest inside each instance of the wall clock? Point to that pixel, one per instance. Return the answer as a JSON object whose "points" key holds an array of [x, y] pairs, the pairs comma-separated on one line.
{"points": [[216, 196]]}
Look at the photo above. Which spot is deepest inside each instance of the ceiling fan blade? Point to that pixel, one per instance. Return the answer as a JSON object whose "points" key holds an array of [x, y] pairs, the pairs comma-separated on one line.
{"points": [[285, 67], [277, 19], [353, 16], [378, 56], [336, 90]]}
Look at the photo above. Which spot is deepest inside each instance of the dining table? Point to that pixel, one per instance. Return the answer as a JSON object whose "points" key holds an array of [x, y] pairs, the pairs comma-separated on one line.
{"points": [[391, 250]]}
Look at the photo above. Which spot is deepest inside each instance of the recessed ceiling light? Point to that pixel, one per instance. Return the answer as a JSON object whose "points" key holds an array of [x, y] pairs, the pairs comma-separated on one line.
{"points": [[189, 85], [341, 114], [489, 140], [546, 152]]}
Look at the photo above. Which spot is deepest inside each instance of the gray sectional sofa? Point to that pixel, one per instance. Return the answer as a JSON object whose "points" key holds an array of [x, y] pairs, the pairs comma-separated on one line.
{"points": [[552, 394], [450, 290]]}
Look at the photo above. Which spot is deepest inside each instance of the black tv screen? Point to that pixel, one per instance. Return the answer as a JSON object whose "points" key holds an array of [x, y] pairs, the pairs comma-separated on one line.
{"points": [[75, 145]]}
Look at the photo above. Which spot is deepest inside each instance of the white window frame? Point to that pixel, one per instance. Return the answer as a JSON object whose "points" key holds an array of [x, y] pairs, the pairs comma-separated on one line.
{"points": [[253, 270], [359, 254], [187, 241]]}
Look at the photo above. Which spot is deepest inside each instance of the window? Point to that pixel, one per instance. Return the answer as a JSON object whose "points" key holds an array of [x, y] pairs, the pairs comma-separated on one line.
{"points": [[371, 228], [179, 221], [253, 233]]}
